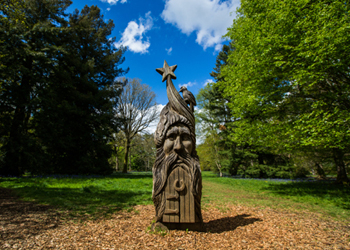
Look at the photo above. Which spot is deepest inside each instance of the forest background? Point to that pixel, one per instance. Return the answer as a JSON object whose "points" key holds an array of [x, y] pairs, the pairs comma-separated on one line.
{"points": [[278, 107]]}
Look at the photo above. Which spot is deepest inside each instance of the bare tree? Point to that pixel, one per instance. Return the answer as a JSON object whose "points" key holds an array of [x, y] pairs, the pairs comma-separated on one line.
{"points": [[117, 142], [137, 109]]}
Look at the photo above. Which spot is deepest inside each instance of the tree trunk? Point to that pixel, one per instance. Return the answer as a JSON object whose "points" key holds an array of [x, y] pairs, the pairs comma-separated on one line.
{"points": [[14, 152], [126, 156], [233, 169], [217, 161], [338, 155], [15, 157], [320, 171], [218, 165], [129, 163], [116, 150]]}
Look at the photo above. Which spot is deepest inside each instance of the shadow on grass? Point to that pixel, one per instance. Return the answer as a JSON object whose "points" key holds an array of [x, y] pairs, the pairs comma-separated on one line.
{"points": [[85, 195], [317, 192], [44, 201], [229, 223], [132, 175], [88, 200], [19, 219]]}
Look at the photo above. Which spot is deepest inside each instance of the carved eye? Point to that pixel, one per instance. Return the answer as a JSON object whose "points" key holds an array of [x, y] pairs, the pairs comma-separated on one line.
{"points": [[186, 137], [171, 137]]}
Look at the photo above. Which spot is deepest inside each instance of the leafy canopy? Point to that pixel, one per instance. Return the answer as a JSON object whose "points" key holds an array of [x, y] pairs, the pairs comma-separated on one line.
{"points": [[288, 77]]}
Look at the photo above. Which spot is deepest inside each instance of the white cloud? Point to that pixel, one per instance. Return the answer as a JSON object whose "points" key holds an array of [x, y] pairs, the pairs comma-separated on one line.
{"points": [[112, 2], [207, 81], [133, 35], [189, 84], [168, 51], [108, 9], [208, 18], [153, 126], [218, 47]]}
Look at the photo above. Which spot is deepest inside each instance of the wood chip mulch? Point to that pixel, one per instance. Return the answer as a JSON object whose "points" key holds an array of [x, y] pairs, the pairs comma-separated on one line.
{"points": [[26, 225]]}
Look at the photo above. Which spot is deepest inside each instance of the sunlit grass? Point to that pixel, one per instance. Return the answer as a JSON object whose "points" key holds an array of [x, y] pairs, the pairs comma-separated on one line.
{"points": [[100, 196], [326, 198], [85, 195]]}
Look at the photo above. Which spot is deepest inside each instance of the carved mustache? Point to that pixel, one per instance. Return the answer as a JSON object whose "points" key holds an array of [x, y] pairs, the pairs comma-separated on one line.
{"points": [[174, 157]]}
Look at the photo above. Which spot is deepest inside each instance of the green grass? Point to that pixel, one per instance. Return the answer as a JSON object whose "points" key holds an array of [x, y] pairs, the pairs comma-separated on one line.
{"points": [[326, 198], [102, 196], [85, 196]]}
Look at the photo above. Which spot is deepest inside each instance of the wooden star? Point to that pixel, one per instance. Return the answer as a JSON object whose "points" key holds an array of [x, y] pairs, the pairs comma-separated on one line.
{"points": [[166, 70]]}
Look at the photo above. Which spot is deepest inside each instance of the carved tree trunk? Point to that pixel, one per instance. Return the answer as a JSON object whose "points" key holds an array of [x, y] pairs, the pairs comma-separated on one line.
{"points": [[179, 205], [177, 188]]}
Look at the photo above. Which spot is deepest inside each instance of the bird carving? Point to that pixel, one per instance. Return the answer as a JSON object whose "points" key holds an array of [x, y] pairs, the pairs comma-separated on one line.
{"points": [[188, 97]]}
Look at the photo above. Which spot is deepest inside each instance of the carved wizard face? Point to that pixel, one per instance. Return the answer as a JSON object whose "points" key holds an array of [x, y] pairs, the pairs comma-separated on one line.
{"points": [[178, 140]]}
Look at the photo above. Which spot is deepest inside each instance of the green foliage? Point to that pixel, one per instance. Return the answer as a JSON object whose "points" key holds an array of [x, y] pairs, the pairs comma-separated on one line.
{"points": [[220, 151], [212, 120], [286, 171], [79, 111], [298, 65], [288, 77], [143, 152], [30, 53], [57, 89]]}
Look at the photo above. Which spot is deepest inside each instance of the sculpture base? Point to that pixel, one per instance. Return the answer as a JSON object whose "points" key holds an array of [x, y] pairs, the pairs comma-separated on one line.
{"points": [[162, 226]]}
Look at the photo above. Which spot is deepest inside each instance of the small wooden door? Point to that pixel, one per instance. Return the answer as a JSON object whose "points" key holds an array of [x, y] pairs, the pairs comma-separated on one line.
{"points": [[179, 205]]}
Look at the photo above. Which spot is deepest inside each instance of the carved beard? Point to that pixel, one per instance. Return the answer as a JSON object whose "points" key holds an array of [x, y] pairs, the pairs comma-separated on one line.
{"points": [[183, 160], [161, 170]]}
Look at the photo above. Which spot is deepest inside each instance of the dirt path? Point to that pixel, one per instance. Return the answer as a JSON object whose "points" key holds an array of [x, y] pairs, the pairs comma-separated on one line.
{"points": [[25, 225]]}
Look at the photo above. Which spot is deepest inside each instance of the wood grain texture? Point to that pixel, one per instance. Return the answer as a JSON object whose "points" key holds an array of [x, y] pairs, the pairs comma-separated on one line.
{"points": [[177, 187], [166, 217], [182, 198], [177, 205], [180, 205]]}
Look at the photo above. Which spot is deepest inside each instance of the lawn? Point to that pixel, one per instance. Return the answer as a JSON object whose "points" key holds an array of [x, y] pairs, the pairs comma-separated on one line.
{"points": [[100, 196], [85, 195], [323, 197]]}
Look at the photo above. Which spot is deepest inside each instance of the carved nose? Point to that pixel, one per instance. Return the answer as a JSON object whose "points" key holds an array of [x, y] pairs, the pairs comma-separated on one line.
{"points": [[178, 144]]}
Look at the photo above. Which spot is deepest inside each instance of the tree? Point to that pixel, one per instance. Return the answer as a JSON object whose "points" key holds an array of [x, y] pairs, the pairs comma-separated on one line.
{"points": [[117, 143], [137, 109], [288, 77], [28, 33], [209, 131], [57, 90], [215, 125], [143, 152], [214, 117], [78, 114]]}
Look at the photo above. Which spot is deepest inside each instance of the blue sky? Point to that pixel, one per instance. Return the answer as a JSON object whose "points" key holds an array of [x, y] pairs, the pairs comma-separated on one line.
{"points": [[183, 32]]}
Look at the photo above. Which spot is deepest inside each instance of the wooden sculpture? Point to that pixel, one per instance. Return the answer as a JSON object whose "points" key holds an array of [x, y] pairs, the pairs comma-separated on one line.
{"points": [[177, 179]]}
